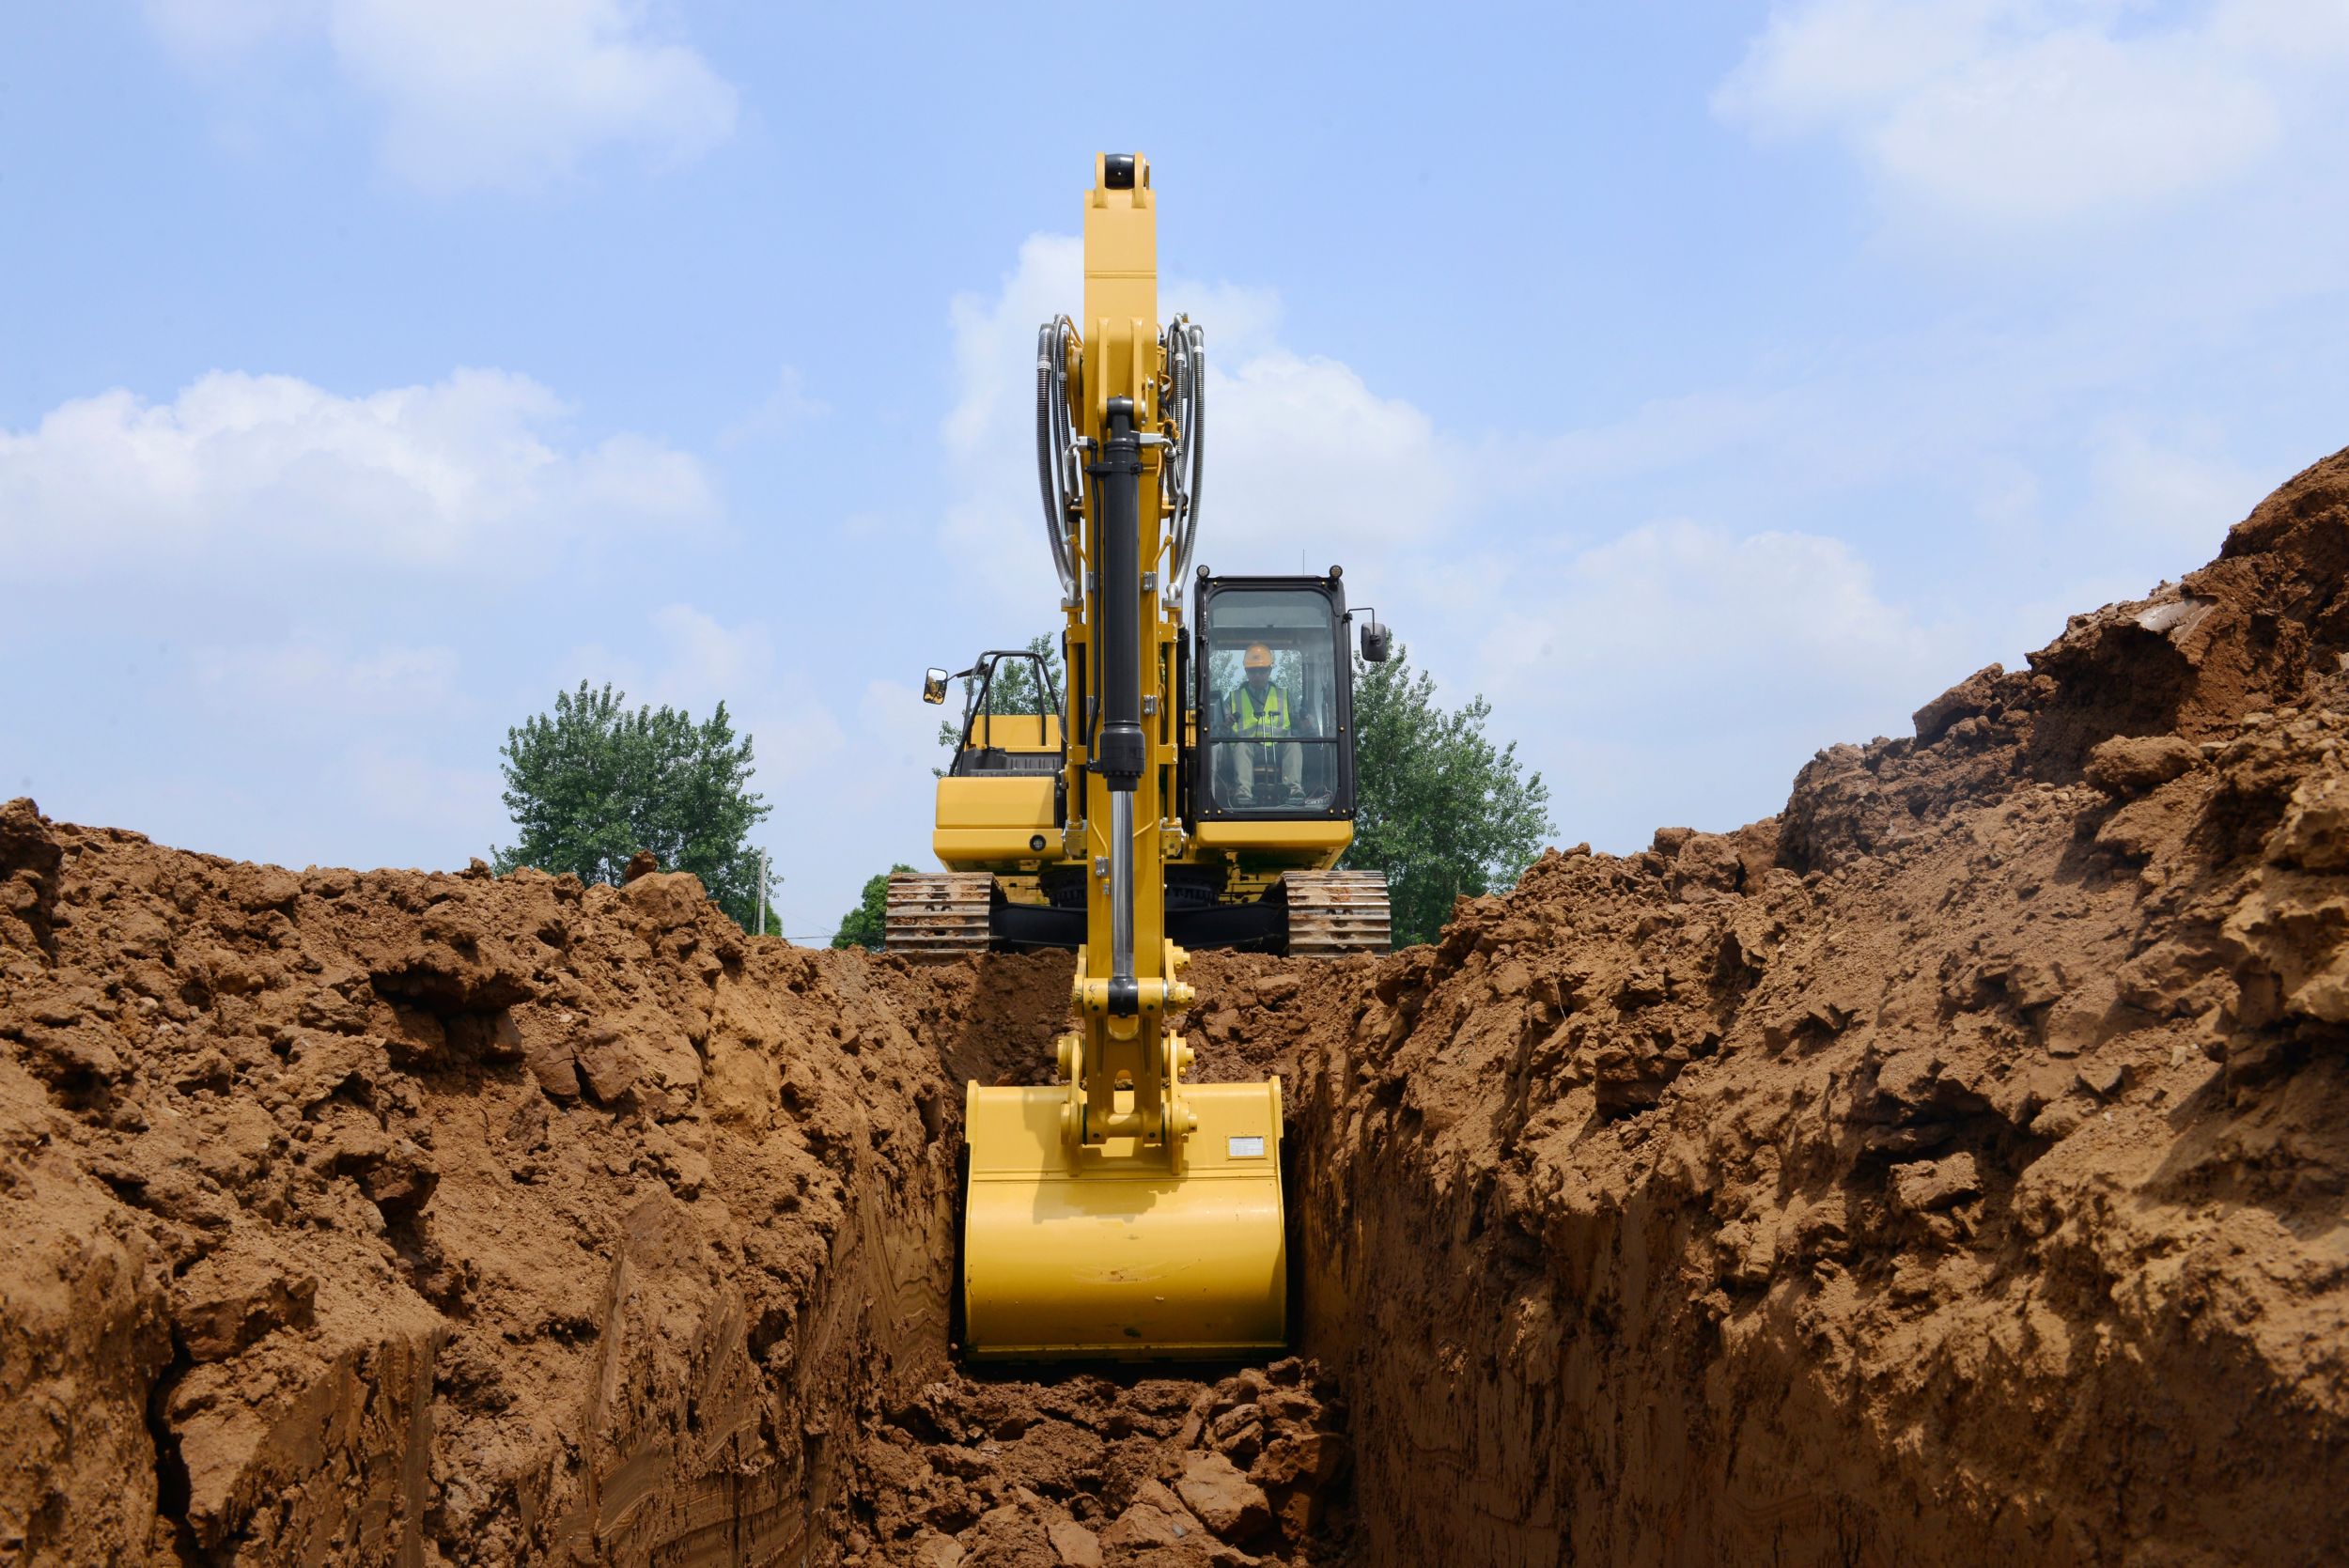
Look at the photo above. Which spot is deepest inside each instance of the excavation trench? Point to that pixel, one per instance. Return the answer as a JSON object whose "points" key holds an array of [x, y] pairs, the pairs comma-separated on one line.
{"points": [[1166, 1463], [1951, 1167]]}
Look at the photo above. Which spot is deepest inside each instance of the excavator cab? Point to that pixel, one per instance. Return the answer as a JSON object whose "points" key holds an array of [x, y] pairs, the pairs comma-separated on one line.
{"points": [[1279, 745]]}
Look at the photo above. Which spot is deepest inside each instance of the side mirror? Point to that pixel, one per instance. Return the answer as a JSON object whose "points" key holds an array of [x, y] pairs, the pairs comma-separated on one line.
{"points": [[1376, 643], [934, 685]]}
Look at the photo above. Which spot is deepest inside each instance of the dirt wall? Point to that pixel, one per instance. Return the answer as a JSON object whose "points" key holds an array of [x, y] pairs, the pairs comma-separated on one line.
{"points": [[1951, 1169], [389, 1216]]}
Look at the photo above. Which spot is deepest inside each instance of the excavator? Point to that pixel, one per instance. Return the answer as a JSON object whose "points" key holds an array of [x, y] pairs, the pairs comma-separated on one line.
{"points": [[1191, 788]]}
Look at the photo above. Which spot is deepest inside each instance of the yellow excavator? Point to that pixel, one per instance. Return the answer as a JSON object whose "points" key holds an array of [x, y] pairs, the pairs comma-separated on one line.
{"points": [[1192, 787]]}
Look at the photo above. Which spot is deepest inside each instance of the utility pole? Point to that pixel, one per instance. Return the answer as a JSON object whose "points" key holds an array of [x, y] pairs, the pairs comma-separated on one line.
{"points": [[760, 929]]}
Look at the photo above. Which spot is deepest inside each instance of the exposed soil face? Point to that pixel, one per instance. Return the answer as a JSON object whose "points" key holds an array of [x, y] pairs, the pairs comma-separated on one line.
{"points": [[1953, 1170], [362, 1218], [393, 1217], [1953, 1165]]}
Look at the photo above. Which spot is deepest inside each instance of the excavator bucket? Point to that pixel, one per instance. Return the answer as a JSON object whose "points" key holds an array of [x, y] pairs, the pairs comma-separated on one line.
{"points": [[1122, 1252]]}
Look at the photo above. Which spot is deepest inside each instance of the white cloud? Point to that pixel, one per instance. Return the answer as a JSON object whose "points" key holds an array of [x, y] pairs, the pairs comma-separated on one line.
{"points": [[312, 676], [785, 410], [688, 658], [1305, 454], [707, 657], [1301, 454], [2309, 33], [1681, 673], [1668, 433], [2024, 113], [241, 470], [214, 31], [1670, 603], [1817, 63], [2179, 495], [1243, 320], [515, 94], [994, 349], [2079, 122]]}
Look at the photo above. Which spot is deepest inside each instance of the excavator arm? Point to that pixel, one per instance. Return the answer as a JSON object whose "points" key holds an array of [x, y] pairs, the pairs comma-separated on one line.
{"points": [[1123, 1212]]}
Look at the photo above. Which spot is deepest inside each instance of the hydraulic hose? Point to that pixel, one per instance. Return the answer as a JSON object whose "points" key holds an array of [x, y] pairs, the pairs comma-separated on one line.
{"points": [[1054, 477], [1193, 454]]}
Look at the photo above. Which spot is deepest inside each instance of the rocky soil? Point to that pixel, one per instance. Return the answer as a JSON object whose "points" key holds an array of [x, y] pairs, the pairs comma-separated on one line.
{"points": [[1953, 1165], [1087, 1469]]}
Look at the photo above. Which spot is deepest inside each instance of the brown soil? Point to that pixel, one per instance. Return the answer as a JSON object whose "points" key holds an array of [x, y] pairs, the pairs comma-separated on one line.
{"points": [[1133, 1467], [1954, 1165]]}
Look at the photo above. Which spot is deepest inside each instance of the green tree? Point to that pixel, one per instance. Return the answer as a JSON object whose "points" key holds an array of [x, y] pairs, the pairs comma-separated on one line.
{"points": [[867, 924], [592, 783], [1013, 691], [1439, 807]]}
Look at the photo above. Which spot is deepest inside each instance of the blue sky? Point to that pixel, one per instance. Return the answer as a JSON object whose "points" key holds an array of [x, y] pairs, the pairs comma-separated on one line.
{"points": [[1704, 384]]}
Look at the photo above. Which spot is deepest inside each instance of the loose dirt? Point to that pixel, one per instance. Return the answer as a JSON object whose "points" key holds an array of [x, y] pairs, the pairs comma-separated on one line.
{"points": [[1953, 1165]]}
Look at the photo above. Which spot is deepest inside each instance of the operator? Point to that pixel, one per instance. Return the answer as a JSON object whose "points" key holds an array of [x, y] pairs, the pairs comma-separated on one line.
{"points": [[1258, 711]]}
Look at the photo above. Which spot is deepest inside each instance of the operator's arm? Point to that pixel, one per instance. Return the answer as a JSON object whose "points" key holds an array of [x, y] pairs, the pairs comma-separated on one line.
{"points": [[1292, 753]]}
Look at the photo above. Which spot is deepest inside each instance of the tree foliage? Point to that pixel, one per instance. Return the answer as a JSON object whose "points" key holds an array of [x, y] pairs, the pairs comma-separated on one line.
{"points": [[1013, 691], [593, 781], [867, 924], [1438, 808]]}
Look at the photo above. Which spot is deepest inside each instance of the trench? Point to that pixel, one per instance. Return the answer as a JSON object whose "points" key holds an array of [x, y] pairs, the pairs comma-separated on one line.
{"points": [[1618, 1236], [1489, 1368], [1222, 1462], [1461, 1387]]}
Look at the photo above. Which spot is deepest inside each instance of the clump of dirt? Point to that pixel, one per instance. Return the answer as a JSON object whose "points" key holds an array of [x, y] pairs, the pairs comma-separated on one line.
{"points": [[1133, 1468], [1953, 1168]]}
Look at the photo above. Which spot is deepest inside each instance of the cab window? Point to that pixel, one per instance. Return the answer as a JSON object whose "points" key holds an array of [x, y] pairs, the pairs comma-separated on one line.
{"points": [[1269, 726]]}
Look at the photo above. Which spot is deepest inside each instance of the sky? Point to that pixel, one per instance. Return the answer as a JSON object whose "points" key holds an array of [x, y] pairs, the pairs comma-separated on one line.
{"points": [[1702, 384]]}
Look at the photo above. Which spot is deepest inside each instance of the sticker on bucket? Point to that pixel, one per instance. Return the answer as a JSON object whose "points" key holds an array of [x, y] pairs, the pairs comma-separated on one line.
{"points": [[1244, 1148]]}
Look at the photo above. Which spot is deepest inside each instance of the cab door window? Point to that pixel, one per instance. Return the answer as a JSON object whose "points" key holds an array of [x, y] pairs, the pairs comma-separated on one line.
{"points": [[1270, 729]]}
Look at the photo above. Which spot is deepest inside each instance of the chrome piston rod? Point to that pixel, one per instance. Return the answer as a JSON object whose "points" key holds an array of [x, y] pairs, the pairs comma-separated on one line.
{"points": [[1122, 888]]}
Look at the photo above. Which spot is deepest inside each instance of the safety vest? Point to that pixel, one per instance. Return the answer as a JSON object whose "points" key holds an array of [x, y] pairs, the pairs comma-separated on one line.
{"points": [[1246, 720]]}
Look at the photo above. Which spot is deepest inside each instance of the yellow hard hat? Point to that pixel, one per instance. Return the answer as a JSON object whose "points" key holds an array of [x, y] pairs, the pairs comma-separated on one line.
{"points": [[1259, 657]]}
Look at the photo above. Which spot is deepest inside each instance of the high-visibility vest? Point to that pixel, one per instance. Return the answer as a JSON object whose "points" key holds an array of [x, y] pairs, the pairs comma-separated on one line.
{"points": [[1273, 720]]}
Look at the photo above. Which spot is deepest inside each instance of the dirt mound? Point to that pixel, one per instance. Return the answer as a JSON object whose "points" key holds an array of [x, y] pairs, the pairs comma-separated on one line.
{"points": [[375, 1217], [1961, 1173], [1954, 1164]]}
